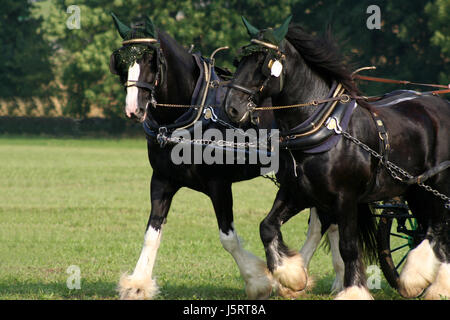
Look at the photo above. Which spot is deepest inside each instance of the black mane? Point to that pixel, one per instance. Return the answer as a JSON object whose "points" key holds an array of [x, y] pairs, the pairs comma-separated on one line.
{"points": [[322, 55]]}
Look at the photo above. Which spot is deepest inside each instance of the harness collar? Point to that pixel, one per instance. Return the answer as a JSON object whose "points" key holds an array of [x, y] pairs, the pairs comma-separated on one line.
{"points": [[203, 95], [320, 132], [319, 116]]}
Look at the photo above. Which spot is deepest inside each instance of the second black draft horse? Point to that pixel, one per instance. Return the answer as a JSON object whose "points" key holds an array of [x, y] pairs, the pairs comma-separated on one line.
{"points": [[299, 72]]}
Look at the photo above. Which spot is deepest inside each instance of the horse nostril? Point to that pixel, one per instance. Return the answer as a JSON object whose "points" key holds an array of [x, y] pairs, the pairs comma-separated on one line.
{"points": [[131, 115]]}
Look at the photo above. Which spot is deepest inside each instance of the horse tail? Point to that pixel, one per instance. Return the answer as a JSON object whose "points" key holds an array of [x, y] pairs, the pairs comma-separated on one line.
{"points": [[367, 233]]}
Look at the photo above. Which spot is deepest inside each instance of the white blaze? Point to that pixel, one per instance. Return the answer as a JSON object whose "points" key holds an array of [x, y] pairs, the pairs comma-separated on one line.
{"points": [[132, 92]]}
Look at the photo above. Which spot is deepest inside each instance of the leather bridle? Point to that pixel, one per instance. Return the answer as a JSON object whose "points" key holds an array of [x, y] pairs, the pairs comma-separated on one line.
{"points": [[273, 53], [160, 65]]}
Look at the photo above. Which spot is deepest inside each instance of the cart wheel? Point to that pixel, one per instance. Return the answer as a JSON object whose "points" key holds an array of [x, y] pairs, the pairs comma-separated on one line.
{"points": [[397, 234]]}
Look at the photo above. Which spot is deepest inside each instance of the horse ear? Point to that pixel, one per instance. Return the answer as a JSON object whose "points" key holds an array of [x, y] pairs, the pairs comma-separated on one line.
{"points": [[121, 27], [280, 32], [252, 31], [150, 27]]}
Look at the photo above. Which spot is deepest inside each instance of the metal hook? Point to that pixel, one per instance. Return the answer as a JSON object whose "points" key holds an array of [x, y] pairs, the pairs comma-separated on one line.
{"points": [[333, 124]]}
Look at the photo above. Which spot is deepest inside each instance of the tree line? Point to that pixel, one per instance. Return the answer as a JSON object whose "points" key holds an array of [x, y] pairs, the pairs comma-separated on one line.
{"points": [[46, 52]]}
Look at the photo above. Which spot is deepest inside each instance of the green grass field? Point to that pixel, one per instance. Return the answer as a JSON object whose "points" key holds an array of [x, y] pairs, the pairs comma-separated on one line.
{"points": [[85, 202]]}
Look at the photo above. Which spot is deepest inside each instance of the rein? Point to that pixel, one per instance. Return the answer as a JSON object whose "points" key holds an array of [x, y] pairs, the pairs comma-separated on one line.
{"points": [[343, 98], [404, 82]]}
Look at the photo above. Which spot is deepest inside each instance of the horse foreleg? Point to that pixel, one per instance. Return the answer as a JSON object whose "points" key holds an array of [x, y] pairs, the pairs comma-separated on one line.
{"points": [[338, 263], [287, 266], [427, 265], [140, 284], [313, 237], [316, 230], [258, 283], [355, 283]]}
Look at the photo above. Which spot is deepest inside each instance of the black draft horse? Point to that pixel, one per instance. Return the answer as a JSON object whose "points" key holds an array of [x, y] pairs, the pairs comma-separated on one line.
{"points": [[136, 62], [293, 67]]}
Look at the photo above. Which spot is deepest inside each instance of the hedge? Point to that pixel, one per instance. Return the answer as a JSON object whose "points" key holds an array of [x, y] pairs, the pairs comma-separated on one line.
{"points": [[64, 126]]}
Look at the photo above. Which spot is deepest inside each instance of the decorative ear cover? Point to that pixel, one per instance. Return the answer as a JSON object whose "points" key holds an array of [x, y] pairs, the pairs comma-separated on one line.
{"points": [[120, 26], [280, 32], [266, 65], [272, 65], [150, 29], [252, 31]]}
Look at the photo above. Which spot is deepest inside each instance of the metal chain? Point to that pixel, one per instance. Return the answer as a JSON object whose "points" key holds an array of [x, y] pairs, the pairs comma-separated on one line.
{"points": [[216, 119], [218, 143], [171, 105], [393, 169], [272, 178]]}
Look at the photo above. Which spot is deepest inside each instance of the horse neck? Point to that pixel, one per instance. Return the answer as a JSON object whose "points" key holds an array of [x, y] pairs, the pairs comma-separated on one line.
{"points": [[301, 85], [180, 78]]}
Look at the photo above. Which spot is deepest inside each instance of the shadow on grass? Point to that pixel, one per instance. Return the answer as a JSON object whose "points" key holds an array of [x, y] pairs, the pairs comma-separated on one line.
{"points": [[107, 290], [43, 291], [322, 287], [103, 290], [169, 291]]}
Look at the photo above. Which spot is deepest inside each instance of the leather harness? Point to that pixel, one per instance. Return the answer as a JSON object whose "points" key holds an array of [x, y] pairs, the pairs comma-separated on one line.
{"points": [[203, 95], [320, 132]]}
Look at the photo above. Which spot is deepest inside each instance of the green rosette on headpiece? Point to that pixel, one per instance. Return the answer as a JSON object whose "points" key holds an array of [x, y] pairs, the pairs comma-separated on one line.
{"points": [[128, 54], [270, 35]]}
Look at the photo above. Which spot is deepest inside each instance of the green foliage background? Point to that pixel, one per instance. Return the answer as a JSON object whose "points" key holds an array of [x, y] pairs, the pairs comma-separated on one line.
{"points": [[40, 56]]}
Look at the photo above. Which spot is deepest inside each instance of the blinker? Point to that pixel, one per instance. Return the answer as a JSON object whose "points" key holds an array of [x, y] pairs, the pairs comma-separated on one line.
{"points": [[255, 119]]}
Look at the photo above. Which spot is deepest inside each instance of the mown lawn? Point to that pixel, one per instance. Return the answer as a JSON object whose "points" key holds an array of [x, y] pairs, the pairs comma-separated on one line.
{"points": [[85, 202]]}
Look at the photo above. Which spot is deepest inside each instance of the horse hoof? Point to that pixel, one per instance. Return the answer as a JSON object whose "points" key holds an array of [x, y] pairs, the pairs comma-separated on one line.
{"points": [[419, 271], [354, 293], [291, 273], [440, 288], [259, 288], [338, 286], [258, 292], [130, 288], [289, 293]]}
